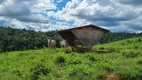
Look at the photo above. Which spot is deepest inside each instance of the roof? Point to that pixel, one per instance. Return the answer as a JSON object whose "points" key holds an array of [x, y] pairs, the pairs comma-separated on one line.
{"points": [[85, 26]]}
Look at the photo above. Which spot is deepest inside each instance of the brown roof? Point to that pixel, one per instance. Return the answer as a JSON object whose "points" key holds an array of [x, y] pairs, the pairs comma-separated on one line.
{"points": [[85, 26]]}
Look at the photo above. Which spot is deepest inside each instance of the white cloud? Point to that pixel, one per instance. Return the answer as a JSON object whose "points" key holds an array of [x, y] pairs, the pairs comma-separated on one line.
{"points": [[38, 18], [43, 5], [116, 15], [28, 14], [94, 12], [130, 2], [59, 1], [23, 10], [30, 26], [110, 14]]}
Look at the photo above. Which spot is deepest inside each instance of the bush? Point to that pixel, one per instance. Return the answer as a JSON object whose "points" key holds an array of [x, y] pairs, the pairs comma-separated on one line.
{"points": [[39, 70], [76, 60], [130, 54], [123, 43], [136, 46], [138, 40], [133, 74], [139, 62], [129, 41], [9, 76], [112, 49], [17, 72], [60, 60], [102, 48], [81, 74], [93, 59]]}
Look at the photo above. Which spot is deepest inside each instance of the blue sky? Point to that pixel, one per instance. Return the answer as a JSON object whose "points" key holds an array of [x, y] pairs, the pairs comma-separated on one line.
{"points": [[46, 15]]}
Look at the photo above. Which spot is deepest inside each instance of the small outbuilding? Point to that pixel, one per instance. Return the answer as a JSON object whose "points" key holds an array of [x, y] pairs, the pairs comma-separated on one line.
{"points": [[88, 35]]}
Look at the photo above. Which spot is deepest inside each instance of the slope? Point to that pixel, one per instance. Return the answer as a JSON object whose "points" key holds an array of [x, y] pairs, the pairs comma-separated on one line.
{"points": [[123, 62]]}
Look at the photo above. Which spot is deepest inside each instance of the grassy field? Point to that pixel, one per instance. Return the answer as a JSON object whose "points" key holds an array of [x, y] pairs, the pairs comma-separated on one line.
{"points": [[121, 60]]}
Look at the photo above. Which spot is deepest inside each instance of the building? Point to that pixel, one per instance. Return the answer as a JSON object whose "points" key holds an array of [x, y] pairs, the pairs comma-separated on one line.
{"points": [[88, 35]]}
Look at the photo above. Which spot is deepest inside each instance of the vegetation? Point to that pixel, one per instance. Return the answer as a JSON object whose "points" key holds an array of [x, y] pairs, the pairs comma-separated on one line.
{"points": [[111, 37], [16, 39], [122, 61]]}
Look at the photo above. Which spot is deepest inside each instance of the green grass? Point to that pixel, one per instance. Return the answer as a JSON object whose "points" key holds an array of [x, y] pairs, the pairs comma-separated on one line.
{"points": [[124, 60]]}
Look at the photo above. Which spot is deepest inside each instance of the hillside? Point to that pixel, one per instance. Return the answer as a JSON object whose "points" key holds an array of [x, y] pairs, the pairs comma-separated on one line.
{"points": [[21, 39], [122, 62]]}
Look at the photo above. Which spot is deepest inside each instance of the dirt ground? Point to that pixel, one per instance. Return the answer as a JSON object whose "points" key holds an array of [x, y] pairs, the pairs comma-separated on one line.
{"points": [[112, 77]]}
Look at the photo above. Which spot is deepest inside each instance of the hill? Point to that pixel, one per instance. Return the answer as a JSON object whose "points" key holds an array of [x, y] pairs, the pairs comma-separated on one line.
{"points": [[122, 62], [21, 39]]}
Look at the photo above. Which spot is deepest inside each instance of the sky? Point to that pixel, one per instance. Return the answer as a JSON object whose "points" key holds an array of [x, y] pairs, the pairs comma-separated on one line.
{"points": [[47, 15]]}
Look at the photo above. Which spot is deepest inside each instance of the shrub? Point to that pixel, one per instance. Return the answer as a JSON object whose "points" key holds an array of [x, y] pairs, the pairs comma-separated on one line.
{"points": [[60, 60], [9, 76], [139, 62], [39, 70], [76, 61], [80, 74], [136, 46], [112, 49], [138, 40], [93, 59], [129, 41], [102, 48], [130, 54], [17, 72], [131, 75], [108, 67], [123, 43]]}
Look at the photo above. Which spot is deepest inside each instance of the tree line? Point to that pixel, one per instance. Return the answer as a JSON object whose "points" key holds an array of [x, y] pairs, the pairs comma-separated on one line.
{"points": [[21, 39], [115, 36]]}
